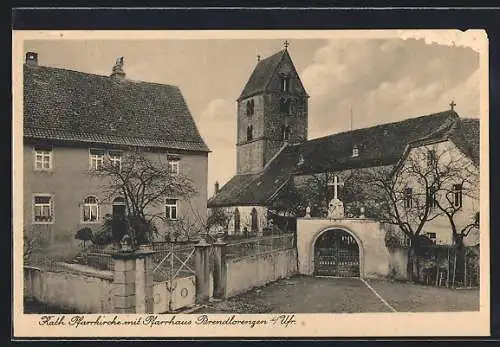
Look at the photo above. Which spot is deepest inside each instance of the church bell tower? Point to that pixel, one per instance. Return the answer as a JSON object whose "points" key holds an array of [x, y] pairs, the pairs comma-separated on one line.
{"points": [[272, 112]]}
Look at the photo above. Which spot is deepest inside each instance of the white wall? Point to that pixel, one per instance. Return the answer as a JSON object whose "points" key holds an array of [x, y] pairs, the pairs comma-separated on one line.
{"points": [[80, 292], [246, 218], [245, 273], [449, 157]]}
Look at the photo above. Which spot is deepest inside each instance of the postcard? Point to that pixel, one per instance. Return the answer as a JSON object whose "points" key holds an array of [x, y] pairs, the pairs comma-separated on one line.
{"points": [[265, 183]]}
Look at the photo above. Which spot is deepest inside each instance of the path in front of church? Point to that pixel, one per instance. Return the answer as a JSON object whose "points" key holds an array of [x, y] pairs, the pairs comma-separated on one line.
{"points": [[346, 295]]}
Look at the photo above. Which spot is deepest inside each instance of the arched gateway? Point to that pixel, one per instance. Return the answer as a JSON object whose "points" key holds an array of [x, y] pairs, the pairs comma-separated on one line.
{"points": [[347, 247], [336, 253]]}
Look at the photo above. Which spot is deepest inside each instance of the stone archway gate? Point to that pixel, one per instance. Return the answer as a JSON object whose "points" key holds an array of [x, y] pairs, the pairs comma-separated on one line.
{"points": [[372, 255]]}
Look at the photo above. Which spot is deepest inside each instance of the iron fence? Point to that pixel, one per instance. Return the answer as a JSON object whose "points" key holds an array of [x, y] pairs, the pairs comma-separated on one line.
{"points": [[172, 260], [260, 245]]}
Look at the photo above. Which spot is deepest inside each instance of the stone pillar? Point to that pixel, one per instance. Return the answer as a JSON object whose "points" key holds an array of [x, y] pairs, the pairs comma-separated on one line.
{"points": [[133, 282], [219, 269], [202, 269]]}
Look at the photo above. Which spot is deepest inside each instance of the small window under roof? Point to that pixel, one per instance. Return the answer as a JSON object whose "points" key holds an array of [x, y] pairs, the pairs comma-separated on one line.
{"points": [[355, 151]]}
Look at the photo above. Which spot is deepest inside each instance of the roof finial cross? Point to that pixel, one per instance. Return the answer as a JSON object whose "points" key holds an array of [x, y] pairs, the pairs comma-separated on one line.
{"points": [[258, 57], [452, 105], [286, 44]]}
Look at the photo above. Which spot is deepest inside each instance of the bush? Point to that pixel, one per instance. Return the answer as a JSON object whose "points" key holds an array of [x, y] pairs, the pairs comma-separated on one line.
{"points": [[104, 236], [84, 234]]}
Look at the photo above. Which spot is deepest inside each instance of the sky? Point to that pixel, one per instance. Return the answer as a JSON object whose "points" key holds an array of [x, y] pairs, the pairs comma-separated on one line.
{"points": [[375, 80]]}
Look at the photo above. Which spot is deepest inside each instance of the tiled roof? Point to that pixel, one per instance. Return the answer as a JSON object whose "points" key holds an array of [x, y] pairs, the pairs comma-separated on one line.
{"points": [[379, 145], [259, 188], [466, 137], [68, 105], [262, 74]]}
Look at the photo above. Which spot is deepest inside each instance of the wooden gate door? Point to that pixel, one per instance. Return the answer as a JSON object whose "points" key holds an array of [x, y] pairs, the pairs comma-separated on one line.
{"points": [[336, 253]]}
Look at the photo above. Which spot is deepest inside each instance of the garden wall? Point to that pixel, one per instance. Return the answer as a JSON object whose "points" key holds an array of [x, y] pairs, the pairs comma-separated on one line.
{"points": [[76, 288], [397, 263], [244, 273]]}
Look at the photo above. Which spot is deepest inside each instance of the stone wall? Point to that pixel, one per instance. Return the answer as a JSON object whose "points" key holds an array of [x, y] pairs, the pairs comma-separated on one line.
{"points": [[80, 288], [246, 273]]}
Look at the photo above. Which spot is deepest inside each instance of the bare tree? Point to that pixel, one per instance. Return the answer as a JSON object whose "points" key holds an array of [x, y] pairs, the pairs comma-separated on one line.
{"points": [[456, 179], [144, 180], [456, 182], [404, 196]]}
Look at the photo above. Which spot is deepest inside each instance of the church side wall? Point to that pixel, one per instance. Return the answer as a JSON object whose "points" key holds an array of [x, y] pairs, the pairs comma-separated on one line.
{"points": [[246, 218]]}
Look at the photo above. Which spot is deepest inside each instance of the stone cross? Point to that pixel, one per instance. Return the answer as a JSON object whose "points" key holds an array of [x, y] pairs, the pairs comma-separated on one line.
{"points": [[336, 183], [452, 105]]}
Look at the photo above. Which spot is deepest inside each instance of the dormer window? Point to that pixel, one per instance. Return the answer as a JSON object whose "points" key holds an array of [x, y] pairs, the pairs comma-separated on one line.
{"points": [[355, 151], [301, 160]]}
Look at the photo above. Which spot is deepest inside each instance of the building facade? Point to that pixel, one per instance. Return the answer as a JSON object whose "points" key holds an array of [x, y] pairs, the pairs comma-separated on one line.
{"points": [[75, 122]]}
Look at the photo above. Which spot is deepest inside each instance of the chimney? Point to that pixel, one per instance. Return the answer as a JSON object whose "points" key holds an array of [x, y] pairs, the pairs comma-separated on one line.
{"points": [[32, 58], [118, 69], [216, 187]]}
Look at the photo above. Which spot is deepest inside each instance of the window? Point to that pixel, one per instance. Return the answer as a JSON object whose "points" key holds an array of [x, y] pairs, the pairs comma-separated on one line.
{"points": [[249, 133], [237, 221], [285, 83], [43, 158], [457, 195], [355, 151], [431, 236], [116, 159], [285, 132], [43, 209], [408, 198], [431, 197], [171, 209], [173, 165], [250, 108], [284, 106], [254, 225], [90, 210], [96, 159]]}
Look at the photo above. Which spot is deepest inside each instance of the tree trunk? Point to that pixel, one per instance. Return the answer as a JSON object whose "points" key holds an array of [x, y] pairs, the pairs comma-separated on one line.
{"points": [[436, 261], [454, 267], [409, 264]]}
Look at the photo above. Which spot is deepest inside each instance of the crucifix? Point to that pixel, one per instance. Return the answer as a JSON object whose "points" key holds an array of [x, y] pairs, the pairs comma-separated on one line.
{"points": [[336, 183], [452, 105]]}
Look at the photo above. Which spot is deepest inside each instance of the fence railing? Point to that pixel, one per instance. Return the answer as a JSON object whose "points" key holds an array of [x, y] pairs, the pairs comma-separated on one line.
{"points": [[172, 260], [444, 265], [256, 246]]}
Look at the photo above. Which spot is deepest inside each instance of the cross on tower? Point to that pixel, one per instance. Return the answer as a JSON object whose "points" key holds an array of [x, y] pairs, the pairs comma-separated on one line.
{"points": [[452, 105], [336, 183], [286, 44]]}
